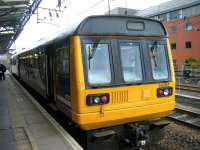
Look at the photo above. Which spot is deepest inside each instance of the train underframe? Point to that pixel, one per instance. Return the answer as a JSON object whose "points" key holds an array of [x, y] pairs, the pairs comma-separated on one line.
{"points": [[134, 136]]}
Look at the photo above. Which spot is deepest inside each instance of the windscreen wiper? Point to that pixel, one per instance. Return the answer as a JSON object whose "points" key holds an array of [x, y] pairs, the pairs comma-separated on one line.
{"points": [[93, 51], [153, 48]]}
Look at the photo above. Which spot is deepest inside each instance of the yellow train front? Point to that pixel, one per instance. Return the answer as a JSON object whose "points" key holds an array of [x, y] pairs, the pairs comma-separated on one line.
{"points": [[121, 71], [110, 75]]}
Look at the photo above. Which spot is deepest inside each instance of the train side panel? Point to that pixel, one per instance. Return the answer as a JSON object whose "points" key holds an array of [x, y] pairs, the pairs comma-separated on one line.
{"points": [[77, 87], [32, 70], [171, 62]]}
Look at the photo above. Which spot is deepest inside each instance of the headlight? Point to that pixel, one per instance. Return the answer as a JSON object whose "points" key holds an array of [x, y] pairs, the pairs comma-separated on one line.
{"points": [[164, 91]]}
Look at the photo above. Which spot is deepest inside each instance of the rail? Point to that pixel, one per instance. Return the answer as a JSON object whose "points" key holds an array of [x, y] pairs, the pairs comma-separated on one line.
{"points": [[186, 116]]}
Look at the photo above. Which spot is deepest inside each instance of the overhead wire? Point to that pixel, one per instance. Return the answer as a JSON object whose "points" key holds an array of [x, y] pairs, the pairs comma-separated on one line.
{"points": [[99, 2]]}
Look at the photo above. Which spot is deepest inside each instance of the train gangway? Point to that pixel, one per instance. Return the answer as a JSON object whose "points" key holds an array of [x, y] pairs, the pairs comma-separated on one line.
{"points": [[24, 124]]}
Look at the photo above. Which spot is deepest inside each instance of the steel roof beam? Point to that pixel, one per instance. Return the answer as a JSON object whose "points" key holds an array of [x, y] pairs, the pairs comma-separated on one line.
{"points": [[13, 6], [14, 2], [7, 1], [14, 14]]}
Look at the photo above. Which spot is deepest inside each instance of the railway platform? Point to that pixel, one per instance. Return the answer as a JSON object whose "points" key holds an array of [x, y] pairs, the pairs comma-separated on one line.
{"points": [[25, 125]]}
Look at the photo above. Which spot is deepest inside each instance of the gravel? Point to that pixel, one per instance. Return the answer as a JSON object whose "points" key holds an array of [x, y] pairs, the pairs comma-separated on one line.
{"points": [[178, 137]]}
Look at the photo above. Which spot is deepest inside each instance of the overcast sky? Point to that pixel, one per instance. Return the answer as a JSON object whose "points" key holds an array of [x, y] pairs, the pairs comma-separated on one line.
{"points": [[71, 10]]}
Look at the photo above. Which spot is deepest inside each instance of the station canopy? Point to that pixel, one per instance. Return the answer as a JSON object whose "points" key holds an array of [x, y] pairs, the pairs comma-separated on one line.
{"points": [[14, 14]]}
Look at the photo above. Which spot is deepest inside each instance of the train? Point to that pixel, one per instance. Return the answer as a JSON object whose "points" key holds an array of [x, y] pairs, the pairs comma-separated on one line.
{"points": [[112, 76]]}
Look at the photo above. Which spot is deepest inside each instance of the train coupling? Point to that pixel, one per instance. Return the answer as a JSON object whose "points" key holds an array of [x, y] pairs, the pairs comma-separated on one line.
{"points": [[138, 135]]}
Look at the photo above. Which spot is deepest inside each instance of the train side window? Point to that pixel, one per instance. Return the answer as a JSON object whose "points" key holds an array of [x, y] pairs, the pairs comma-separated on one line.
{"points": [[42, 66], [62, 71], [158, 59], [131, 62]]}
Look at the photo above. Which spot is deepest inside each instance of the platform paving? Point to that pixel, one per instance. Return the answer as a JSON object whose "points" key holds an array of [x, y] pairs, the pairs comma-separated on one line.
{"points": [[22, 125], [6, 137]]}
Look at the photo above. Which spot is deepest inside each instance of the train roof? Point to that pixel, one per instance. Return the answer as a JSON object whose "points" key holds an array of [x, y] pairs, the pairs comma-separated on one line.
{"points": [[120, 25], [108, 25]]}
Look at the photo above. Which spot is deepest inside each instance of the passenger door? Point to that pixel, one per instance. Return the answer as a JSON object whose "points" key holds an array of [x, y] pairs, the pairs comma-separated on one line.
{"points": [[62, 77], [51, 74]]}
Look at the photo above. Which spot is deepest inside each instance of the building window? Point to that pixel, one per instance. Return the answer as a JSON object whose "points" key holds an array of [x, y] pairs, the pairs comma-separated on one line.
{"points": [[174, 15], [191, 11], [188, 44], [188, 27], [173, 46], [173, 29], [154, 17], [162, 17]]}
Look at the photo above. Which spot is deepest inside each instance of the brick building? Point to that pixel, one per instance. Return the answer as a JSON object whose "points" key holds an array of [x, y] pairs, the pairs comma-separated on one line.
{"points": [[182, 20], [184, 35]]}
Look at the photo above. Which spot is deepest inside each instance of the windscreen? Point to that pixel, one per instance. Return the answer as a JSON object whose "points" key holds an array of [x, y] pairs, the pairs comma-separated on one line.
{"points": [[131, 62], [98, 63], [158, 59]]}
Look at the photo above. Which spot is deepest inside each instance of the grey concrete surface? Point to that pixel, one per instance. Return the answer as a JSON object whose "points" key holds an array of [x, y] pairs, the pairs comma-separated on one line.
{"points": [[6, 136]]}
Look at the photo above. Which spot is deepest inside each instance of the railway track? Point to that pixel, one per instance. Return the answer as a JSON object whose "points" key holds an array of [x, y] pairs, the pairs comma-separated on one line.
{"points": [[187, 116], [188, 87]]}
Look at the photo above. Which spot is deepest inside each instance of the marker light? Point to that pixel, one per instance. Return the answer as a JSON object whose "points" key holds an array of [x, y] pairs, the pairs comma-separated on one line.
{"points": [[97, 99], [104, 99], [164, 91]]}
